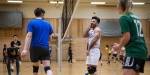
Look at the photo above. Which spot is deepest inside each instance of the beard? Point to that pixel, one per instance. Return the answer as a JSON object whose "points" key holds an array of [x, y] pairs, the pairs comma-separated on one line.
{"points": [[93, 25]]}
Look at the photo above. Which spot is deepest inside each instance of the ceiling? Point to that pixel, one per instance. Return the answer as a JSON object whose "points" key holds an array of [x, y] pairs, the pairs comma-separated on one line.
{"points": [[87, 2]]}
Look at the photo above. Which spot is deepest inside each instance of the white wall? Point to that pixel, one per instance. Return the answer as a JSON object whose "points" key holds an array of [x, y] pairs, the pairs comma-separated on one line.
{"points": [[82, 11]]}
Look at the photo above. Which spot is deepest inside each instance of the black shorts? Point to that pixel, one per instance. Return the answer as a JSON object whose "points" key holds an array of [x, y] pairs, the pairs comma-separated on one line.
{"points": [[39, 53], [134, 63]]}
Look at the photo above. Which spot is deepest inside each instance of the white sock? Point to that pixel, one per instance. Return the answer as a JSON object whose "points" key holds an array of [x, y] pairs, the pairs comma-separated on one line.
{"points": [[49, 72], [86, 72]]}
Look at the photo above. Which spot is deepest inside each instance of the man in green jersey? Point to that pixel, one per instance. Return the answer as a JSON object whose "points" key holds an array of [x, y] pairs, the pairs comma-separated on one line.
{"points": [[132, 38]]}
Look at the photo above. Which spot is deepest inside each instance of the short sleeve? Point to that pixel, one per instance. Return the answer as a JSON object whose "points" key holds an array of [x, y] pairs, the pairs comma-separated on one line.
{"points": [[124, 24], [30, 27]]}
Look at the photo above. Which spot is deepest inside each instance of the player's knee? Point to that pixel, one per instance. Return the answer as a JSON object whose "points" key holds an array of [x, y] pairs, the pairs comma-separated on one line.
{"points": [[35, 69], [46, 62], [91, 69], [36, 64], [46, 68]]}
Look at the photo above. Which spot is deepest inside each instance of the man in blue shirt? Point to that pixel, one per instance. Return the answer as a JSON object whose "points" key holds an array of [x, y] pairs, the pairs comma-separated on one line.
{"points": [[37, 41]]}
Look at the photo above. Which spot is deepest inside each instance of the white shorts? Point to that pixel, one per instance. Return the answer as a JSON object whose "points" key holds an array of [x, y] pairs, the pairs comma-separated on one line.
{"points": [[93, 57]]}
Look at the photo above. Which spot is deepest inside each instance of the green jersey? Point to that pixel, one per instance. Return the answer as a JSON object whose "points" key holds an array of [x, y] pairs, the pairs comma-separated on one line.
{"points": [[136, 46]]}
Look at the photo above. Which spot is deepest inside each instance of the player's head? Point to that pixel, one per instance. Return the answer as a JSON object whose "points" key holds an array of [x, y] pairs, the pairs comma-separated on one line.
{"points": [[15, 37], [95, 21], [39, 12], [124, 6]]}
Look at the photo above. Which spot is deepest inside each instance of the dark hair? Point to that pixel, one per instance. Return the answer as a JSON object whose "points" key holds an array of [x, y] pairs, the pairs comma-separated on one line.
{"points": [[96, 18], [38, 12], [125, 4], [14, 35]]}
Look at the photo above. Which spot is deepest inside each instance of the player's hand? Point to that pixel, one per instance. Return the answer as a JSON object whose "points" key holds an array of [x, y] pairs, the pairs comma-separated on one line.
{"points": [[116, 47], [24, 53], [87, 53]]}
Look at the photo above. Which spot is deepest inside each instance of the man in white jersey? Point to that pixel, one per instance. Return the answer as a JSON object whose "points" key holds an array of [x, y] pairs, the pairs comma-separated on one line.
{"points": [[93, 46]]}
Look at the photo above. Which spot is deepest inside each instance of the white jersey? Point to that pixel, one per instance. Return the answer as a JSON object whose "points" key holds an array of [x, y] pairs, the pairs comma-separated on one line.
{"points": [[91, 37], [94, 53]]}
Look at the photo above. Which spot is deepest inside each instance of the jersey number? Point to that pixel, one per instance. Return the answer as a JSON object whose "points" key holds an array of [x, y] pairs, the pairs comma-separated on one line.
{"points": [[139, 28]]}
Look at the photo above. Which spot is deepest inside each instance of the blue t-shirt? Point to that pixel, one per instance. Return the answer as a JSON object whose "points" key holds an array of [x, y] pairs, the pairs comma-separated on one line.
{"points": [[41, 31]]}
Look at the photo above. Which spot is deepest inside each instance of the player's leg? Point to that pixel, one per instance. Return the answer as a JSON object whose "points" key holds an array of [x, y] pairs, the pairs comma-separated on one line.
{"points": [[92, 61], [47, 67], [8, 66], [45, 57], [34, 59], [17, 66], [35, 68], [129, 72]]}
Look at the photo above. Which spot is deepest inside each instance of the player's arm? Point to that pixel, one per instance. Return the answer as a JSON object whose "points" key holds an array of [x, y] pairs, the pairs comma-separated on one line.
{"points": [[125, 29], [96, 38], [27, 41], [19, 44], [50, 40], [51, 33], [124, 39]]}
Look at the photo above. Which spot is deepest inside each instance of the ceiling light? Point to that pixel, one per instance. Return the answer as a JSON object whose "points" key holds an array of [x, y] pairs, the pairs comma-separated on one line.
{"points": [[61, 2], [53, 2], [138, 3], [14, 1], [97, 3], [56, 2]]}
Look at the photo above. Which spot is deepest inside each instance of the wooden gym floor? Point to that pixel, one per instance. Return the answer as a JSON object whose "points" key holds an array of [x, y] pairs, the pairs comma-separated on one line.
{"points": [[77, 68]]}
